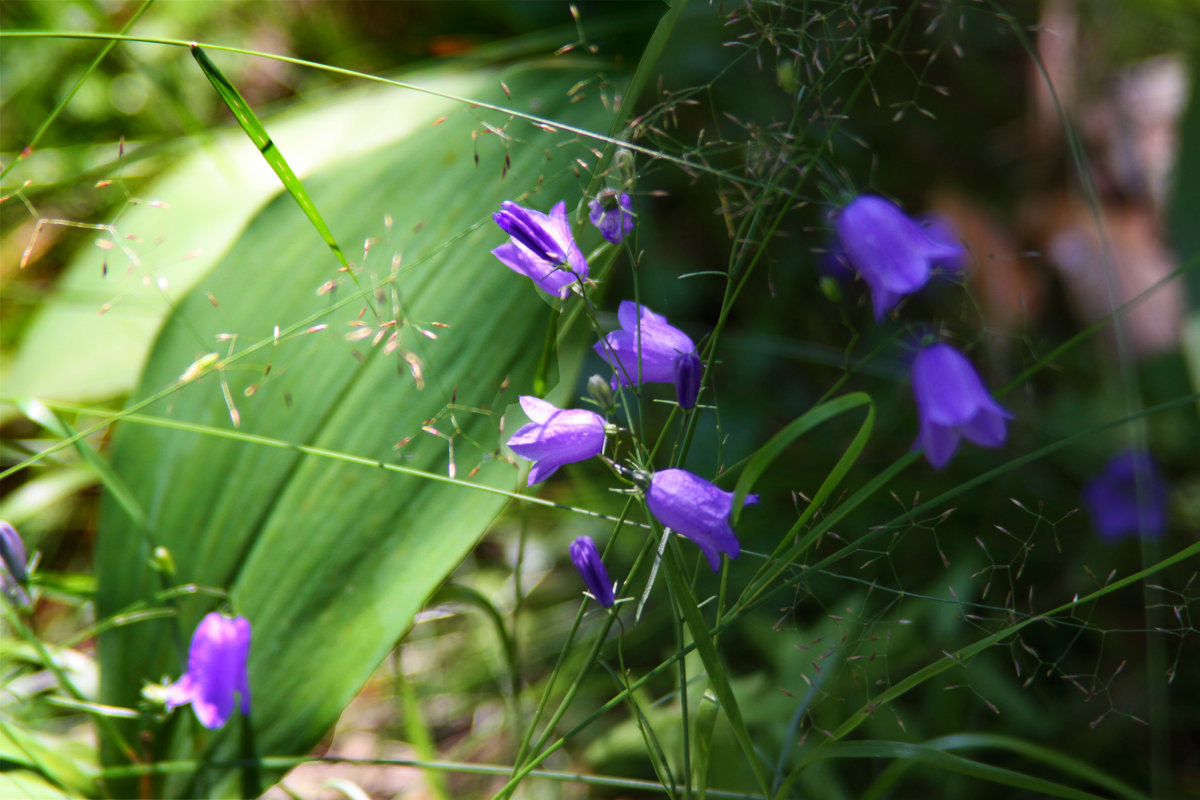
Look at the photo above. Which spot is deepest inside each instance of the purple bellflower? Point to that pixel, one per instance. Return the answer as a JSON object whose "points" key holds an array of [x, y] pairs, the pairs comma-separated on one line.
{"points": [[14, 574], [541, 247], [892, 252], [12, 556], [952, 402], [591, 569], [659, 342], [1128, 497], [612, 213], [697, 509], [556, 437], [216, 670]]}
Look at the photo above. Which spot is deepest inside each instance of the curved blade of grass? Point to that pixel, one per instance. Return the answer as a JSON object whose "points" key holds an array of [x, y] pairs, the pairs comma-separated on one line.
{"points": [[262, 140], [939, 759], [765, 455]]}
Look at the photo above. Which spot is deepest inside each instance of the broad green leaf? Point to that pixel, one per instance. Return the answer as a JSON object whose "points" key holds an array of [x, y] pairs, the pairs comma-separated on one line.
{"points": [[329, 560]]}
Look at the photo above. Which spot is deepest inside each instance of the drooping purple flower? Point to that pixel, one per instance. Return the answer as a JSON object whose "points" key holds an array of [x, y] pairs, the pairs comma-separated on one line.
{"points": [[892, 252], [612, 213], [14, 575], [659, 342], [591, 569], [541, 247], [556, 436], [1128, 497], [952, 402], [697, 509], [216, 670], [688, 369], [12, 556]]}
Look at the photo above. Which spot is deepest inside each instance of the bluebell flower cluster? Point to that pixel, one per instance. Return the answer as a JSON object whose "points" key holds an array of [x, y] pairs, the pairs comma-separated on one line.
{"points": [[216, 671]]}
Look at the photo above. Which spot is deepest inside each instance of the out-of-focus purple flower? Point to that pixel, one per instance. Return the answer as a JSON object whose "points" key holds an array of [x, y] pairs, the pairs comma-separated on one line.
{"points": [[12, 556], [696, 508], [14, 575], [216, 670], [688, 369], [556, 436], [952, 402], [660, 345], [591, 569], [1128, 497], [541, 247], [892, 252], [612, 213]]}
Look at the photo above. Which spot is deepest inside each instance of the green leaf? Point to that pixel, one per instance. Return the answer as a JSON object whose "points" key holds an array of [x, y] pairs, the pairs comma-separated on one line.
{"points": [[331, 560]]}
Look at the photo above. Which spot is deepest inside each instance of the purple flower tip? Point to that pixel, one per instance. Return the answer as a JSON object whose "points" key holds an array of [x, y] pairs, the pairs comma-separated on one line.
{"points": [[688, 371], [556, 437], [697, 509], [650, 334], [541, 247], [12, 556], [612, 213], [952, 402], [591, 569], [216, 670], [1128, 497], [891, 251]]}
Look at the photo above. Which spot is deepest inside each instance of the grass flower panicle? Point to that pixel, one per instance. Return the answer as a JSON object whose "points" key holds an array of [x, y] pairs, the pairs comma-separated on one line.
{"points": [[891, 251], [697, 509], [216, 670], [541, 247], [556, 436], [951, 403], [591, 569]]}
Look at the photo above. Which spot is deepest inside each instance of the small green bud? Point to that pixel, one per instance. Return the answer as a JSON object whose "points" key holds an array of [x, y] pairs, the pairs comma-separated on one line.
{"points": [[162, 562], [601, 392]]}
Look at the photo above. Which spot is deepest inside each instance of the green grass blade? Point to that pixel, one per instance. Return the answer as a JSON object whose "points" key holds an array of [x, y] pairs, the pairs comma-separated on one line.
{"points": [[939, 759], [718, 677], [262, 140]]}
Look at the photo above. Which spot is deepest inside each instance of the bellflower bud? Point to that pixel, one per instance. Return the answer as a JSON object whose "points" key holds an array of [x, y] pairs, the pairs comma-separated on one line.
{"points": [[12, 556], [643, 331], [688, 370], [1128, 497], [216, 670], [556, 437], [697, 509], [952, 402], [612, 213], [591, 569], [892, 252], [599, 390], [541, 247]]}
